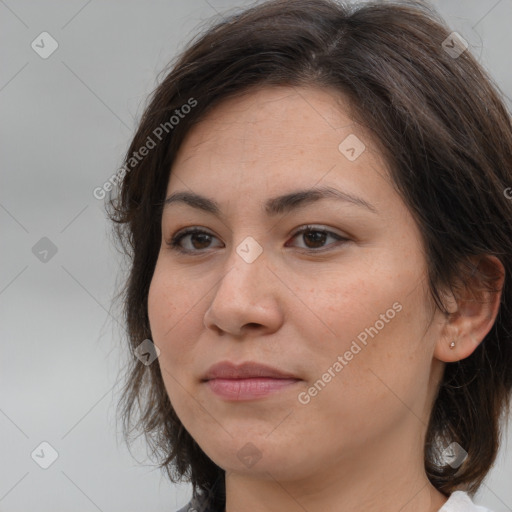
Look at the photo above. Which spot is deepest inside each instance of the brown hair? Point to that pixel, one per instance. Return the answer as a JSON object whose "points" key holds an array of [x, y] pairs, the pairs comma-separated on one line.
{"points": [[443, 127]]}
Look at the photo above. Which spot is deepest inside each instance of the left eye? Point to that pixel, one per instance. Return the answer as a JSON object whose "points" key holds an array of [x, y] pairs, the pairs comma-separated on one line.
{"points": [[316, 237]]}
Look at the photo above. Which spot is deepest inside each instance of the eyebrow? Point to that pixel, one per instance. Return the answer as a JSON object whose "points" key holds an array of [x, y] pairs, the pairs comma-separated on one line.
{"points": [[276, 205]]}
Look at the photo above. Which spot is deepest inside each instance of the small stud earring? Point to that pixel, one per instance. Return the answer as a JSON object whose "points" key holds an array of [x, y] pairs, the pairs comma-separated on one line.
{"points": [[452, 344]]}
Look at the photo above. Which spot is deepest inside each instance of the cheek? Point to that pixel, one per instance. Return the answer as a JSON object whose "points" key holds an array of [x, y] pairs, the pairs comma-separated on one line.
{"points": [[170, 312], [162, 308], [374, 320], [361, 298], [170, 300], [168, 305]]}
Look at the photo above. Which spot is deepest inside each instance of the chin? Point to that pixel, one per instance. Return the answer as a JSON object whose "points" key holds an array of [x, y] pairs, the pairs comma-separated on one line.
{"points": [[257, 454]]}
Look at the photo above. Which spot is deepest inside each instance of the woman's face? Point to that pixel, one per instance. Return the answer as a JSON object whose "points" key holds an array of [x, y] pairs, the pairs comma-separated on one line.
{"points": [[346, 312]]}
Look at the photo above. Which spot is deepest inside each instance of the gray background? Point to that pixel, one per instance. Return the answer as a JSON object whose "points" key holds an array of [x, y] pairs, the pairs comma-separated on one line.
{"points": [[65, 123]]}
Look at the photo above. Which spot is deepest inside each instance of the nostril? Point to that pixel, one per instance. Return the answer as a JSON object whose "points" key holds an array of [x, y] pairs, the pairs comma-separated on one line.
{"points": [[252, 324]]}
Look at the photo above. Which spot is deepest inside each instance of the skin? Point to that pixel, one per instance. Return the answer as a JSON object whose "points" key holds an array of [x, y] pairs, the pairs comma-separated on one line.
{"points": [[358, 444]]}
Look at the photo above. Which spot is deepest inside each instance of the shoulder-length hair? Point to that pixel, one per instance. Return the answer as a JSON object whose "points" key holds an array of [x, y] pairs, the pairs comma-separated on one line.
{"points": [[442, 125]]}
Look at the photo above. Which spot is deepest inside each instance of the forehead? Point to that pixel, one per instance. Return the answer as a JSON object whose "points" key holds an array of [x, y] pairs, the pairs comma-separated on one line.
{"points": [[261, 111], [276, 126]]}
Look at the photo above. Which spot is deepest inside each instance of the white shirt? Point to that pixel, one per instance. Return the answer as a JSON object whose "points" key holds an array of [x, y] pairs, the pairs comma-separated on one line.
{"points": [[459, 501]]}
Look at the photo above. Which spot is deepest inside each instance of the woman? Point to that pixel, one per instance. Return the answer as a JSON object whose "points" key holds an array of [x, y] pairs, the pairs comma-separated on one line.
{"points": [[315, 209]]}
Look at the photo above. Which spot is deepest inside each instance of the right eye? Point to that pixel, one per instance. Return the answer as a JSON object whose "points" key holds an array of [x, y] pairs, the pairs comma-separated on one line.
{"points": [[199, 240]]}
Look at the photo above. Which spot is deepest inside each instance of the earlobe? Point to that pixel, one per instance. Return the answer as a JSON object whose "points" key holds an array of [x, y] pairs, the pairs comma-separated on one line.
{"points": [[475, 311], [448, 352]]}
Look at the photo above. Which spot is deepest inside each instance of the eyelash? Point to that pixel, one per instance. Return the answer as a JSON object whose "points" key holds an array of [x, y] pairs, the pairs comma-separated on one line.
{"points": [[174, 242]]}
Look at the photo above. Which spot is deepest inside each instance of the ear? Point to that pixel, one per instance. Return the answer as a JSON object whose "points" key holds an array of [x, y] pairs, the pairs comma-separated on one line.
{"points": [[473, 311]]}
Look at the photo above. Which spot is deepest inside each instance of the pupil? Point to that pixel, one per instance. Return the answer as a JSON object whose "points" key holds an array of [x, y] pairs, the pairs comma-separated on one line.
{"points": [[204, 237], [319, 238]]}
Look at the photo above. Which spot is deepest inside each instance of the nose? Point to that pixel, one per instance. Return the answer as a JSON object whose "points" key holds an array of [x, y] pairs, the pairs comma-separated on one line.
{"points": [[246, 298]]}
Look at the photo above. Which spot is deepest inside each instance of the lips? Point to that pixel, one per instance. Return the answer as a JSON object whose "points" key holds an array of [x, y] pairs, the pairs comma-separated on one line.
{"points": [[247, 370], [248, 381]]}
